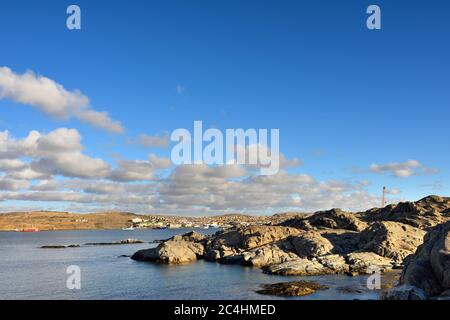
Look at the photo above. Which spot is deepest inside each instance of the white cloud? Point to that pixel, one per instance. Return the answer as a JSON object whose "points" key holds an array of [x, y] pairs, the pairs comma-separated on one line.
{"points": [[403, 169], [257, 150], [198, 186], [52, 98], [27, 173], [159, 162], [139, 170], [133, 170], [149, 141], [13, 185], [11, 164], [32, 168], [58, 152], [99, 119]]}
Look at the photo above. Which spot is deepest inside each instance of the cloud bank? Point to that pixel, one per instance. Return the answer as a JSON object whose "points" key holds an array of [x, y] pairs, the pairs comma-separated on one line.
{"points": [[53, 99], [53, 167], [402, 169]]}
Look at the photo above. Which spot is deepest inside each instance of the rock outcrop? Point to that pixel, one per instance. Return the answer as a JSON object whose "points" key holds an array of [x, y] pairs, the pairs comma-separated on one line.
{"points": [[334, 242], [337, 219], [330, 219], [190, 236], [334, 263], [422, 214], [311, 244], [269, 254], [60, 246], [404, 292], [428, 271], [297, 267], [173, 251], [236, 241], [391, 240], [125, 241], [291, 289], [367, 262]]}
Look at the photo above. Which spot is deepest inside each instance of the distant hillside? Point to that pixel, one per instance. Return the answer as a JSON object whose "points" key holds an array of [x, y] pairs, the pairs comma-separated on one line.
{"points": [[45, 220]]}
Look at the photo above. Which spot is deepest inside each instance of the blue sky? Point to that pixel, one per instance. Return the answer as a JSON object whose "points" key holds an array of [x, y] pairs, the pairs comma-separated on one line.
{"points": [[344, 97]]}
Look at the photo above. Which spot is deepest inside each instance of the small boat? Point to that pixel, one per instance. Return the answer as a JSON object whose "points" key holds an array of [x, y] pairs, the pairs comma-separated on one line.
{"points": [[32, 229], [128, 228]]}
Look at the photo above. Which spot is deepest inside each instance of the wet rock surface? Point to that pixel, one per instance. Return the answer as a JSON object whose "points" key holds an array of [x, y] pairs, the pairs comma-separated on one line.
{"points": [[291, 289]]}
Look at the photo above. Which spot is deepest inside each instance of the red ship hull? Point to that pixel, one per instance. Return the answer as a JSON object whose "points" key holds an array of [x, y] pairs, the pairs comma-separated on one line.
{"points": [[30, 230]]}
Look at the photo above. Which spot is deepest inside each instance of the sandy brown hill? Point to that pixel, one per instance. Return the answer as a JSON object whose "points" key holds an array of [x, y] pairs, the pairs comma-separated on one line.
{"points": [[45, 220]]}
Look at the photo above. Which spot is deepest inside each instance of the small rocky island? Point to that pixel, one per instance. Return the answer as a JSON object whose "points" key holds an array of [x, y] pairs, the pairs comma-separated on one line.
{"points": [[90, 244], [414, 236]]}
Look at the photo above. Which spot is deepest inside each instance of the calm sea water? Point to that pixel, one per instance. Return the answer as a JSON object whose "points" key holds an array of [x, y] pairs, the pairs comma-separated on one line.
{"points": [[29, 272]]}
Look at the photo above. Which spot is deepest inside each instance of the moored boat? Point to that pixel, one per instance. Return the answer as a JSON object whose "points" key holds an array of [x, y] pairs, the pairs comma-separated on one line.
{"points": [[31, 229]]}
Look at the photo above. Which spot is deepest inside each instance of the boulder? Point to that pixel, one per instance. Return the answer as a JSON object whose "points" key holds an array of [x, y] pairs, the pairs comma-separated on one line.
{"points": [[190, 236], [429, 268], [256, 236], [335, 263], [367, 262], [237, 241], [252, 236], [291, 289], [268, 255], [171, 252], [404, 292], [298, 267], [220, 252], [392, 240], [311, 244], [337, 219]]}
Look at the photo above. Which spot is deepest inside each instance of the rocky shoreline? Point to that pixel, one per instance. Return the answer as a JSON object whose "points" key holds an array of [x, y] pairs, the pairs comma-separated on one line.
{"points": [[333, 242]]}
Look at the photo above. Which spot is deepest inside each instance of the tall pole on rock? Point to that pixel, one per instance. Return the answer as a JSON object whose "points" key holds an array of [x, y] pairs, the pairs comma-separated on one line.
{"points": [[383, 200]]}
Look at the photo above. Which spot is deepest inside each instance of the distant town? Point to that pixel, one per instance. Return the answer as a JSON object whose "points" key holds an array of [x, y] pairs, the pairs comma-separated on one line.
{"points": [[49, 220]]}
